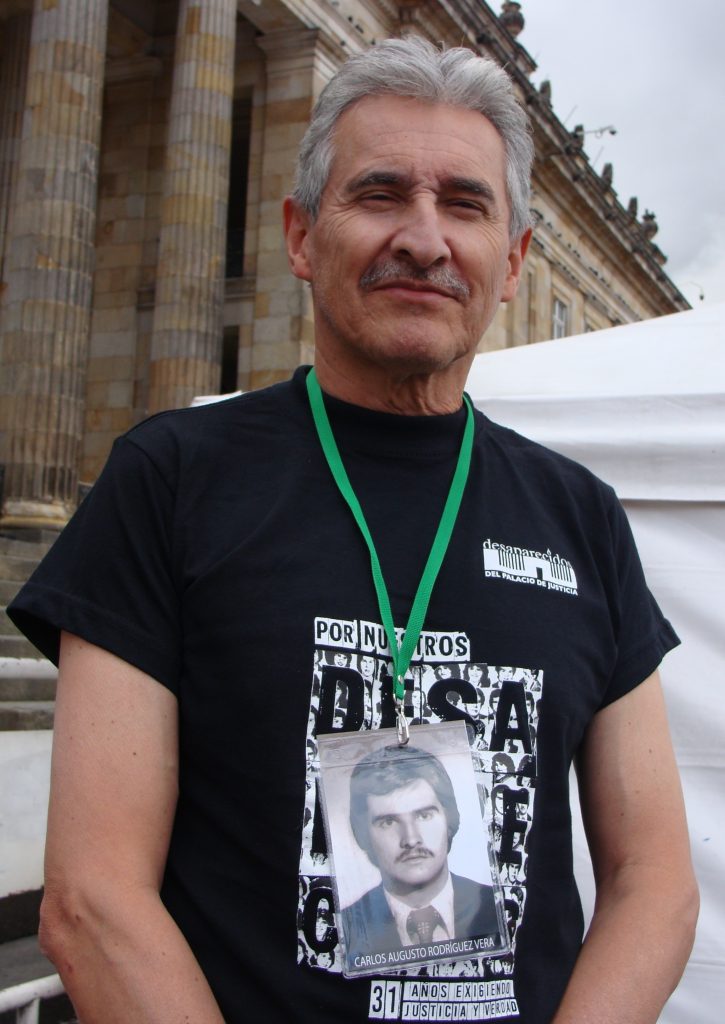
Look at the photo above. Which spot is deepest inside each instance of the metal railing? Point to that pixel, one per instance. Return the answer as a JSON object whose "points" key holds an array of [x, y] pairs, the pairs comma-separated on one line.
{"points": [[25, 998]]}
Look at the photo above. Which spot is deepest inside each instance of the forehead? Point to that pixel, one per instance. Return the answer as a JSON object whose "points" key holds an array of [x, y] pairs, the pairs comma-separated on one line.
{"points": [[404, 800], [426, 141]]}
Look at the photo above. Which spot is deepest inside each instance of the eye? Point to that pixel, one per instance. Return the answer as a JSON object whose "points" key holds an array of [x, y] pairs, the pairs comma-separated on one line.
{"points": [[426, 815], [377, 198], [467, 206], [384, 823]]}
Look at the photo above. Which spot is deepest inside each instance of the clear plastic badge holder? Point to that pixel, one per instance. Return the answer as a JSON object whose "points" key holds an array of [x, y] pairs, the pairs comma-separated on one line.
{"points": [[408, 834]]}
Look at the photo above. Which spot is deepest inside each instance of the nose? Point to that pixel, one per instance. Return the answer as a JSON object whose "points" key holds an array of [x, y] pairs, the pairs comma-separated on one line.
{"points": [[419, 237], [409, 833]]}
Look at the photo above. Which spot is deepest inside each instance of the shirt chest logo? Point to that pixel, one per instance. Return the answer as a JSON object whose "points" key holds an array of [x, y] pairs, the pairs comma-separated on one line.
{"points": [[521, 565]]}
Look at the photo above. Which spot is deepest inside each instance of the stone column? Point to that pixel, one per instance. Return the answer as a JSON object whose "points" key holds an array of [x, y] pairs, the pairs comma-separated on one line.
{"points": [[187, 323], [14, 44], [49, 261], [299, 63]]}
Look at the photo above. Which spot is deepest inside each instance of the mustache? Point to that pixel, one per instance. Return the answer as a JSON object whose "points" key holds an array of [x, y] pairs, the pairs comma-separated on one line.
{"points": [[399, 270], [418, 851]]}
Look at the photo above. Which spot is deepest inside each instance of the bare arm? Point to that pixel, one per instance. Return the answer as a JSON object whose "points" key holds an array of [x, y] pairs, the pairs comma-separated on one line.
{"points": [[646, 905], [113, 796]]}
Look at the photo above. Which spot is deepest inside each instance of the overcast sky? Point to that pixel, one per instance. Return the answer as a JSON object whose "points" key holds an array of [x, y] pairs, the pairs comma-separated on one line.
{"points": [[655, 70]]}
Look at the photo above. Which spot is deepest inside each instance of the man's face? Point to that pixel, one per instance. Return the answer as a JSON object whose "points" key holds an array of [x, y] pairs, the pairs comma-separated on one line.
{"points": [[409, 837], [475, 673], [341, 660], [410, 255], [510, 872], [367, 667]]}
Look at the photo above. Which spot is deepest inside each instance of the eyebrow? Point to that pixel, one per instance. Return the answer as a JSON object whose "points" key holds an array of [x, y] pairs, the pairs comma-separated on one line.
{"points": [[377, 178], [418, 810], [472, 185], [454, 183]]}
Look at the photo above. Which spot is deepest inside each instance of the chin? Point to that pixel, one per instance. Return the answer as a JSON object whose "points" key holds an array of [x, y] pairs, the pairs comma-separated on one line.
{"points": [[416, 355]]}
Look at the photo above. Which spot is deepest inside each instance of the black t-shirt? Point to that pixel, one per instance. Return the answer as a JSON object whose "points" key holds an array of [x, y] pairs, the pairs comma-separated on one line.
{"points": [[216, 554]]}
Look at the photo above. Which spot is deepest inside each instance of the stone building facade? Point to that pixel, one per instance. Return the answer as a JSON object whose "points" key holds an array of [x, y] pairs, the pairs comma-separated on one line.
{"points": [[145, 149]]}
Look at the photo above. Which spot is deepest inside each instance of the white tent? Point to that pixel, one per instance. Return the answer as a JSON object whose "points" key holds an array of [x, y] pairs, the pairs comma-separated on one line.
{"points": [[643, 406]]}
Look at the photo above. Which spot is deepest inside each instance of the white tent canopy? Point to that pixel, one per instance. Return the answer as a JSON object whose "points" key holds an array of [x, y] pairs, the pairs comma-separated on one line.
{"points": [[645, 402], [643, 406]]}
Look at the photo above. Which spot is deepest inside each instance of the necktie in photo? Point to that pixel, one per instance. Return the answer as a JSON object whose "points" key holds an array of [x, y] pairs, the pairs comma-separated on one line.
{"points": [[421, 924]]}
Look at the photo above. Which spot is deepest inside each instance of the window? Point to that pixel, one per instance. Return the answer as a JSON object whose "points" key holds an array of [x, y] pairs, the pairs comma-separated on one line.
{"points": [[238, 176], [559, 319], [229, 369]]}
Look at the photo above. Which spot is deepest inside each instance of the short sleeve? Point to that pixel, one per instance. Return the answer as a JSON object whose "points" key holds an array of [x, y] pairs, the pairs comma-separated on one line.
{"points": [[643, 633], [109, 578]]}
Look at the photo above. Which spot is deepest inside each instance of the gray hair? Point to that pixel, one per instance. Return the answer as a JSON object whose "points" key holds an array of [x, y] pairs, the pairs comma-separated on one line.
{"points": [[415, 68]]}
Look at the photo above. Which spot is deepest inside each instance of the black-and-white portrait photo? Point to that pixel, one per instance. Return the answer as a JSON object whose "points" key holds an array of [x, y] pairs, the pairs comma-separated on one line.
{"points": [[410, 849]]}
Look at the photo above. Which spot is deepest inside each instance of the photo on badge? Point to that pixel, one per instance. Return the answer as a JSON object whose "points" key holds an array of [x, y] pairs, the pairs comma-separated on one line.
{"points": [[410, 849]]}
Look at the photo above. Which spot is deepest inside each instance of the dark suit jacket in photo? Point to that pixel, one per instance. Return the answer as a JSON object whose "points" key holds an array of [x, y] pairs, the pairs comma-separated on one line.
{"points": [[369, 925]]}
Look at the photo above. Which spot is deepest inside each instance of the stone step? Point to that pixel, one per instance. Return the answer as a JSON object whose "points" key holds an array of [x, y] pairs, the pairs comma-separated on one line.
{"points": [[24, 548], [7, 626], [27, 689], [21, 715], [13, 567], [35, 534], [8, 590], [18, 647], [23, 679]]}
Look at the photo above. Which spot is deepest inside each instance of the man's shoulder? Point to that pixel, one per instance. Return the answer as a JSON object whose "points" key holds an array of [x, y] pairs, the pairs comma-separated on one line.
{"points": [[245, 431], [368, 922], [370, 901], [221, 414], [538, 465], [474, 906], [467, 887]]}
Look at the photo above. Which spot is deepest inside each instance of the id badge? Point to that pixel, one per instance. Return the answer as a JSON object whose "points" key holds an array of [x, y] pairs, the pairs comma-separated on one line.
{"points": [[408, 833]]}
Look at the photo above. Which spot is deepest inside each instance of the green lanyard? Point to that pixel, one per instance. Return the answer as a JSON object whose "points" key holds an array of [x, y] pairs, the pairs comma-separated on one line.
{"points": [[402, 654]]}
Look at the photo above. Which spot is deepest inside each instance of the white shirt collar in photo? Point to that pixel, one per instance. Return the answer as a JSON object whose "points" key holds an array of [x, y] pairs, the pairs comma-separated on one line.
{"points": [[443, 903]]}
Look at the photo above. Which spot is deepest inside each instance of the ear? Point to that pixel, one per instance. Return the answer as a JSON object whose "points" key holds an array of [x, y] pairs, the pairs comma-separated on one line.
{"points": [[516, 257], [297, 226]]}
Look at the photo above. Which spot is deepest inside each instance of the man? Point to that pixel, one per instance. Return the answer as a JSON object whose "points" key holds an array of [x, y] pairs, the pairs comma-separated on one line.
{"points": [[204, 569], [404, 815], [367, 668]]}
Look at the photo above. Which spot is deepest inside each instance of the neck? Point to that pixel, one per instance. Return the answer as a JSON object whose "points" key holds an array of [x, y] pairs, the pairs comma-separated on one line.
{"points": [[420, 896], [406, 392]]}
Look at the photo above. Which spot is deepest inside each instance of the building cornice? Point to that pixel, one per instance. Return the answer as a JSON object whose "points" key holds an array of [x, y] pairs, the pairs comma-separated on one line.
{"points": [[578, 191]]}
